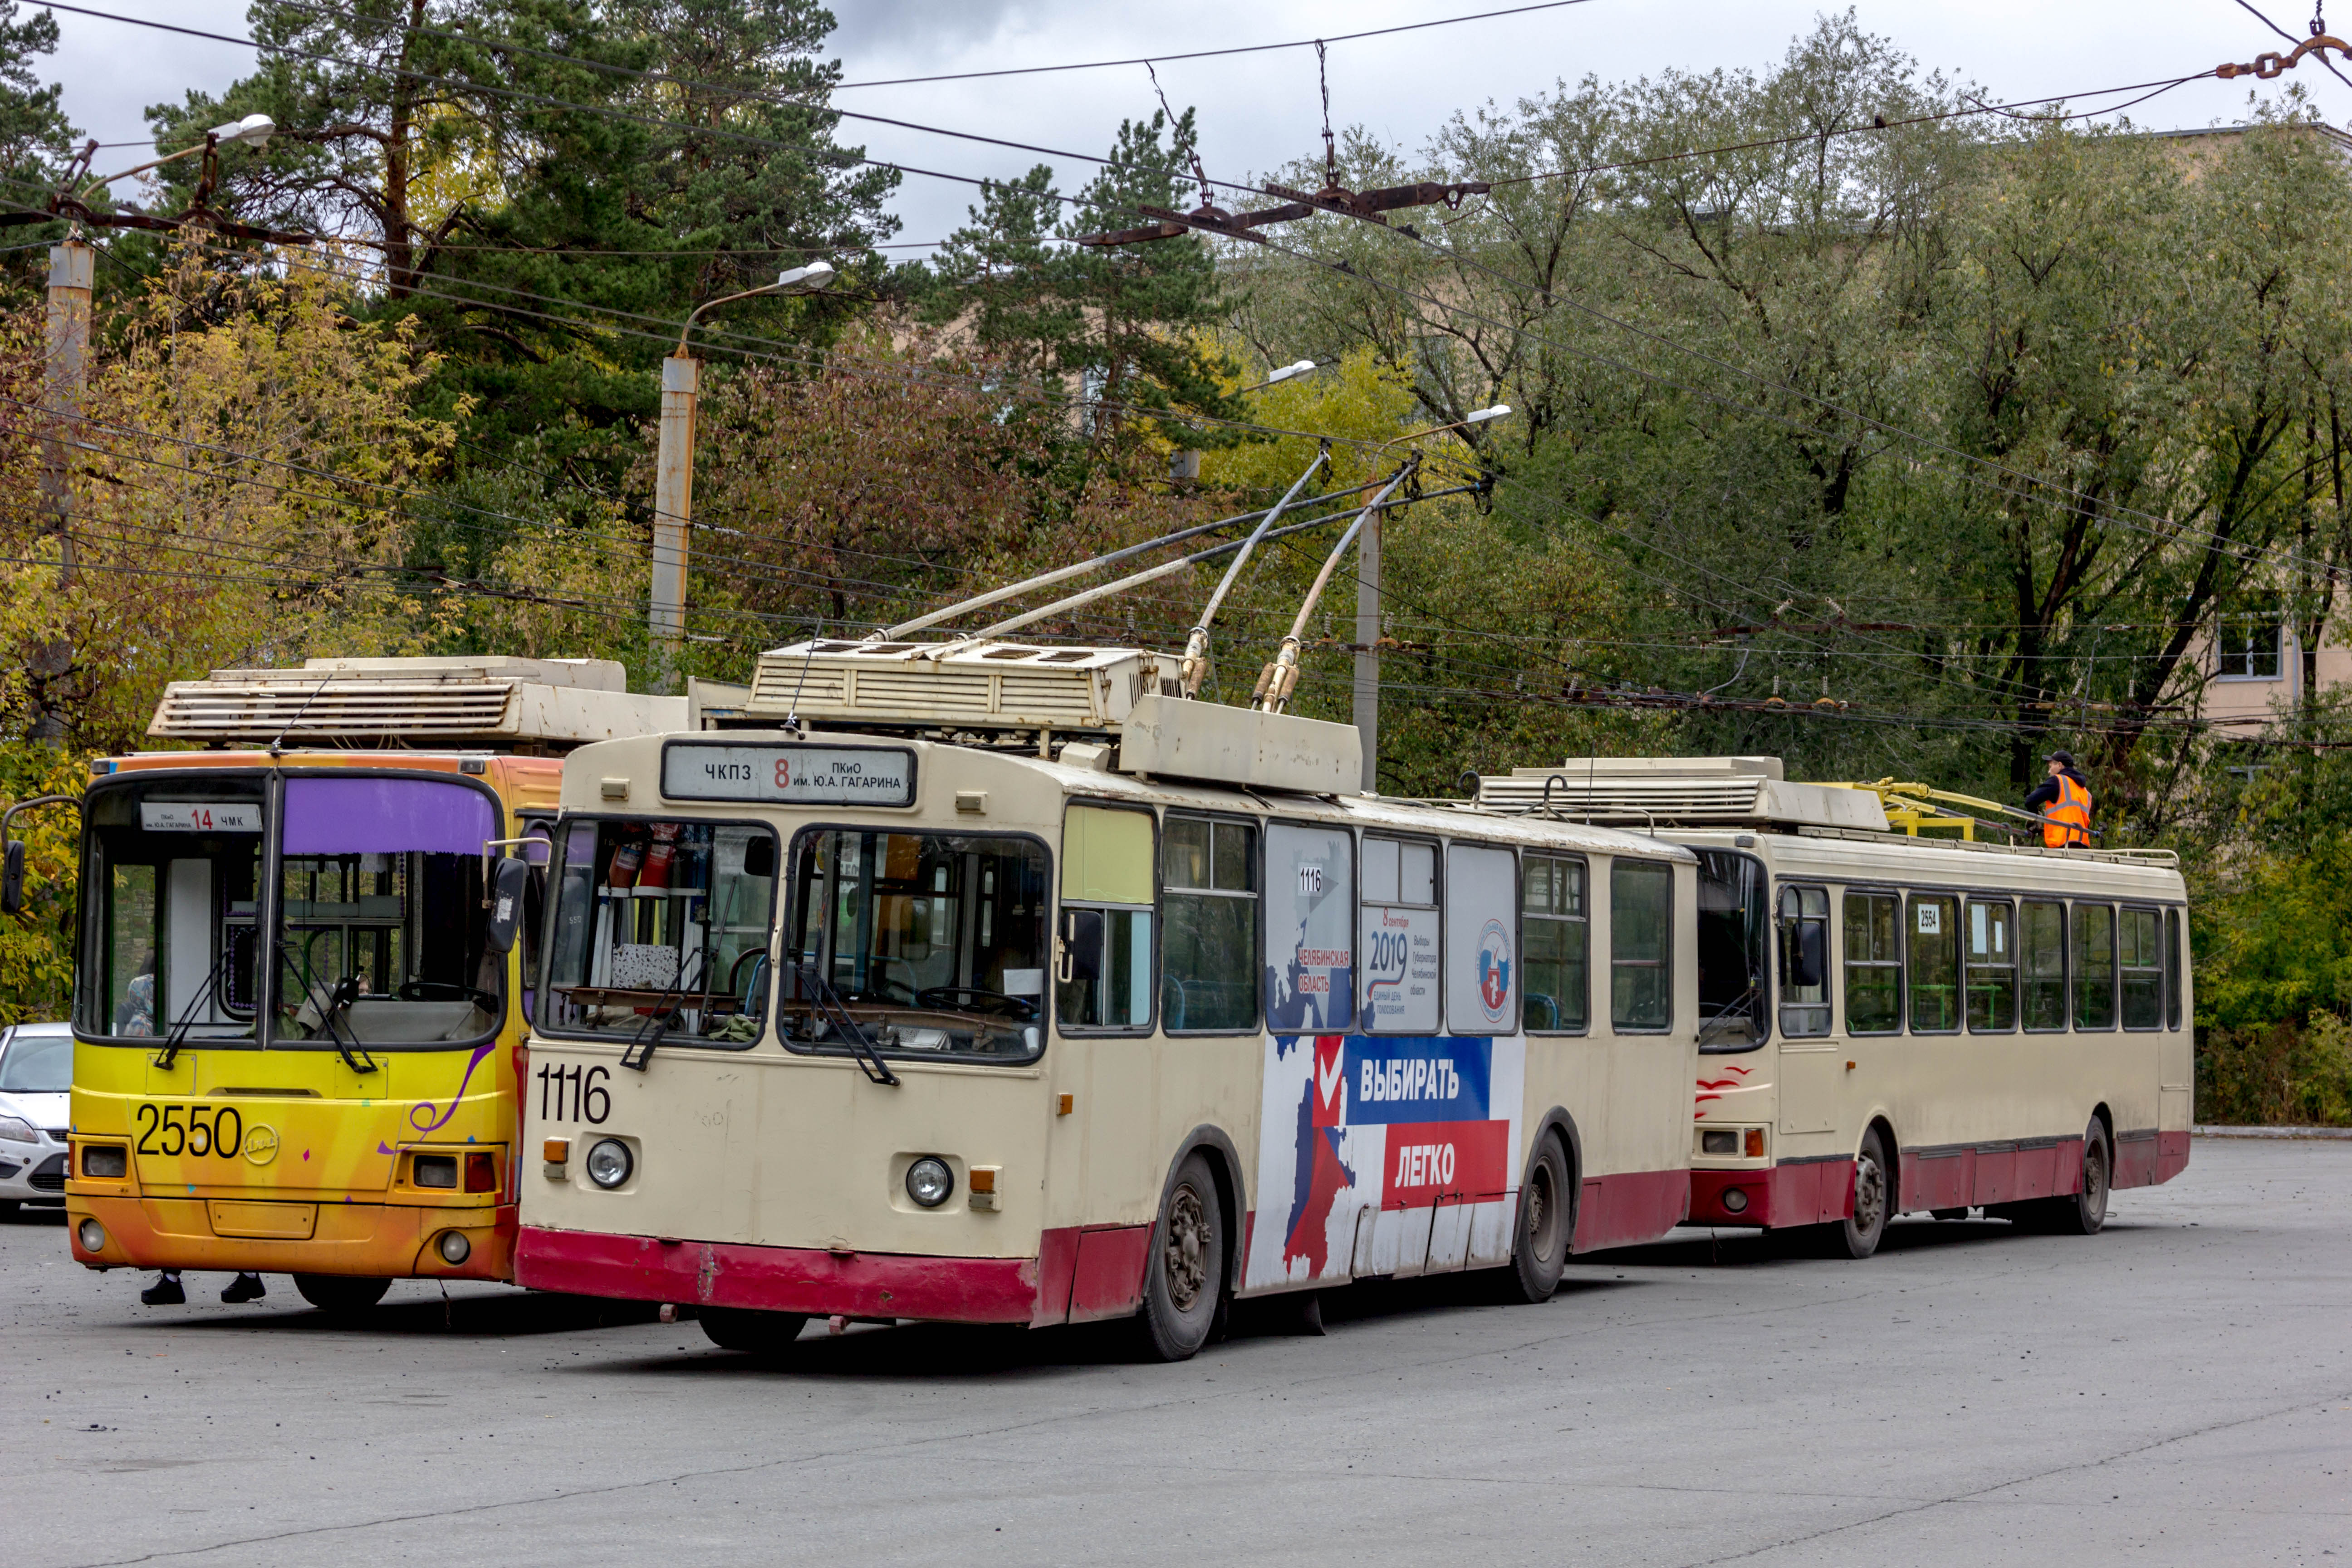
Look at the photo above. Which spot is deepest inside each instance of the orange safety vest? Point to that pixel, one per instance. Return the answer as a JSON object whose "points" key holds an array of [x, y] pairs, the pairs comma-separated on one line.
{"points": [[2066, 821]]}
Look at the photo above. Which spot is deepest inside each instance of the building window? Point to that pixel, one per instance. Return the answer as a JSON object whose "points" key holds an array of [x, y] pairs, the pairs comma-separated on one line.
{"points": [[2247, 644]]}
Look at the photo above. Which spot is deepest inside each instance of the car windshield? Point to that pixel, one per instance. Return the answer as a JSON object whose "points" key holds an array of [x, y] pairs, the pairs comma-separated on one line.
{"points": [[37, 1064], [929, 942]]}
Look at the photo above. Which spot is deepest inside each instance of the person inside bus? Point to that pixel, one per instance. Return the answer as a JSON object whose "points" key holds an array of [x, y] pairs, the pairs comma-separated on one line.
{"points": [[2064, 802]]}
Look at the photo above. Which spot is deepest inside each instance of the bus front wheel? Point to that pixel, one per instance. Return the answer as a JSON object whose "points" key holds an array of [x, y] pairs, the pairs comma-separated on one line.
{"points": [[1857, 1236], [750, 1330], [341, 1295], [1184, 1277]]}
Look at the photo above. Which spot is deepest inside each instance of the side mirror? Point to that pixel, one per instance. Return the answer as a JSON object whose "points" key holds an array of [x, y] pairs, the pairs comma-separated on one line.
{"points": [[509, 879], [1812, 955], [759, 857], [12, 879]]}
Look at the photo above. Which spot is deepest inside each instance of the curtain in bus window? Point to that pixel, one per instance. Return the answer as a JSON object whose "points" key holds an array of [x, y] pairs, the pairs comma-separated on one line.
{"points": [[1208, 969], [1992, 969], [1103, 978], [2173, 968], [2094, 966], [2043, 942], [1804, 962], [1554, 927], [1482, 917], [2140, 959], [1874, 965], [1310, 917], [1398, 936], [1641, 945], [1934, 960]]}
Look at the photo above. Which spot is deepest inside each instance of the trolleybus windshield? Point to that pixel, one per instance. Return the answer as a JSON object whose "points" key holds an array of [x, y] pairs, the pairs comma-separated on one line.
{"points": [[1732, 932], [378, 925], [934, 941]]}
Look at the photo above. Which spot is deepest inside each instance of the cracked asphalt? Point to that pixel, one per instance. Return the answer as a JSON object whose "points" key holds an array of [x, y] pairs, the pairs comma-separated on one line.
{"points": [[2178, 1390]]}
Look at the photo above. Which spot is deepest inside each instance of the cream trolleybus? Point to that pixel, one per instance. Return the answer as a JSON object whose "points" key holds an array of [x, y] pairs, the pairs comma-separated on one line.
{"points": [[1892, 1023], [298, 1008], [1019, 989]]}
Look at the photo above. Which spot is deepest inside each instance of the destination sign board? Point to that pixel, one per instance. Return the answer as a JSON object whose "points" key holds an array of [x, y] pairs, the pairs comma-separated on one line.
{"points": [[789, 774]]}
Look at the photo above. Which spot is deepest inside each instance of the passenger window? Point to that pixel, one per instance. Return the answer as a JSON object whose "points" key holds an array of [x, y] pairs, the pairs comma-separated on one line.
{"points": [[2173, 968], [1398, 937], [1482, 917], [1208, 962], [1310, 917], [1874, 965], [1102, 976], [1553, 923], [1992, 960], [2043, 942], [2141, 961], [1641, 945], [2094, 966], [1935, 965], [1804, 962]]}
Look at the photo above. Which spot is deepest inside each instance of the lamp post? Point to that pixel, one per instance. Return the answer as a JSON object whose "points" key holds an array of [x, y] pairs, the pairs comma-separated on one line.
{"points": [[674, 471], [1367, 694]]}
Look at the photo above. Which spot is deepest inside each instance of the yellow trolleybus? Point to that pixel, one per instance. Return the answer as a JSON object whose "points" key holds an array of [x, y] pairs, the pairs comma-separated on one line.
{"points": [[1023, 990], [297, 1020], [1891, 1022]]}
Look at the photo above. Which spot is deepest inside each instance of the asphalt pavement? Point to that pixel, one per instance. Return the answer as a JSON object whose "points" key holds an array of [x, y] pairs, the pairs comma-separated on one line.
{"points": [[2178, 1390]]}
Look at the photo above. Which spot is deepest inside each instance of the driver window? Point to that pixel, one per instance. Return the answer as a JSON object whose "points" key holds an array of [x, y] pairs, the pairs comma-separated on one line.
{"points": [[1102, 952]]}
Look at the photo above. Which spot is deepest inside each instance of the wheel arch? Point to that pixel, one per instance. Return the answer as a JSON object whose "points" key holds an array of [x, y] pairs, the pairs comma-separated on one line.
{"points": [[1225, 1170], [1557, 1122], [2106, 1121]]}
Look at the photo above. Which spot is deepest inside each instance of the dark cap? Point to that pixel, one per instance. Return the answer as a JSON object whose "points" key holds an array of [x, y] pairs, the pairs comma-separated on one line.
{"points": [[2064, 759]]}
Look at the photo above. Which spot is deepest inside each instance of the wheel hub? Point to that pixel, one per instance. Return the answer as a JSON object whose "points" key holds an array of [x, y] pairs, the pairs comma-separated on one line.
{"points": [[1869, 1195], [1184, 1254]]}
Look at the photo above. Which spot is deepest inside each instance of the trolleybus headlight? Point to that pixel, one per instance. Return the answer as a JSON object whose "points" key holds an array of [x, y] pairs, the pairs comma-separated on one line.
{"points": [[455, 1247], [929, 1182], [610, 1162], [92, 1236], [108, 1161], [1736, 1201]]}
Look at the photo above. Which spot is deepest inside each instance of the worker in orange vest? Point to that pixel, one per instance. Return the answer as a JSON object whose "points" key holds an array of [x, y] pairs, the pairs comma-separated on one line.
{"points": [[2064, 802]]}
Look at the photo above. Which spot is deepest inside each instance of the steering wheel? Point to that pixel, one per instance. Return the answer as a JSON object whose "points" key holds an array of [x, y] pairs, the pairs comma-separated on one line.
{"points": [[1003, 1004], [735, 971], [446, 991]]}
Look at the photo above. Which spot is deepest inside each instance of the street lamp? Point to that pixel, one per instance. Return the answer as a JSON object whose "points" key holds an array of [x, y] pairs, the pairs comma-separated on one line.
{"points": [[253, 131], [1299, 368], [674, 468]]}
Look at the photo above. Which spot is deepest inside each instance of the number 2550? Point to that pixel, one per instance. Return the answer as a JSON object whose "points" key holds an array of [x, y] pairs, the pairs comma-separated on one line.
{"points": [[195, 1130]]}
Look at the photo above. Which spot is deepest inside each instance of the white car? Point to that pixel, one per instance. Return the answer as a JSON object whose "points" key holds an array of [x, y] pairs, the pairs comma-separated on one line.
{"points": [[36, 1085]]}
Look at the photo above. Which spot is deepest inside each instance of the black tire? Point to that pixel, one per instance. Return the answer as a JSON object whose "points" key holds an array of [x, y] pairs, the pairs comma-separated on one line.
{"points": [[343, 1295], [750, 1330], [1857, 1236], [1184, 1275], [2083, 1211], [1539, 1250]]}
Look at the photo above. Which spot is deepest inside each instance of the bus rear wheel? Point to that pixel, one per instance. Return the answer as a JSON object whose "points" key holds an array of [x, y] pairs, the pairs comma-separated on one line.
{"points": [[1539, 1254], [2083, 1211], [1184, 1277], [1858, 1234], [341, 1295], [750, 1330]]}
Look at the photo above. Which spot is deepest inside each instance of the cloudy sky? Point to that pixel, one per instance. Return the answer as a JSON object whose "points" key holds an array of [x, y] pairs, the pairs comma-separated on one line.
{"points": [[1259, 111]]}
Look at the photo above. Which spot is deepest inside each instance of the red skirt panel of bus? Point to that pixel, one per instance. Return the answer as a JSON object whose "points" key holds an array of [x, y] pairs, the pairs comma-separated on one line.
{"points": [[1808, 1192], [1963, 1176], [1629, 1208]]}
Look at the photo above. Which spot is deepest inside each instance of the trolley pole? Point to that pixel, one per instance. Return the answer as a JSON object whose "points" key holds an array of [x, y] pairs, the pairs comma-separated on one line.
{"points": [[72, 267], [1368, 655], [673, 513]]}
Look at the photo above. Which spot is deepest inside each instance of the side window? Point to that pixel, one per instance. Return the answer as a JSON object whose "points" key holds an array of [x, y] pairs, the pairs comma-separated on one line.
{"points": [[1398, 936], [1102, 970], [2173, 969], [2042, 940], [1934, 963], [1874, 965], [1641, 945], [1991, 958], [2141, 960], [1554, 927], [1804, 962], [1482, 960], [1310, 917], [2094, 966], [1208, 962]]}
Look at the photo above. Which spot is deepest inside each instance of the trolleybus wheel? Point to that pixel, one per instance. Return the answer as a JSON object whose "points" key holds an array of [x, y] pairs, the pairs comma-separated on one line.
{"points": [[1184, 1277], [341, 1294], [2083, 1211], [1857, 1236], [1539, 1253], [750, 1330]]}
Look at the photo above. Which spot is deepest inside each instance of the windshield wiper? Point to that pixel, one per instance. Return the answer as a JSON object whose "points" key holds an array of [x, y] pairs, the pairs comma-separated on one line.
{"points": [[650, 1032], [828, 1002], [1733, 1012], [172, 1042], [346, 991]]}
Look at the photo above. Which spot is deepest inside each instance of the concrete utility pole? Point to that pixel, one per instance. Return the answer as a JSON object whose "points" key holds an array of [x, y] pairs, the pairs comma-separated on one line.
{"points": [[72, 267], [674, 474]]}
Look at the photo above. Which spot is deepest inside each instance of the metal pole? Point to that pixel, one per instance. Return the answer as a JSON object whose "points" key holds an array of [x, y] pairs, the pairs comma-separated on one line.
{"points": [[673, 514], [72, 266], [1368, 657]]}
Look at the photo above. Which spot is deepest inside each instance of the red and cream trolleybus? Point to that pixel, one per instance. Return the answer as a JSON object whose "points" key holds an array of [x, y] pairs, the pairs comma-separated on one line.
{"points": [[1892, 1023], [1020, 989]]}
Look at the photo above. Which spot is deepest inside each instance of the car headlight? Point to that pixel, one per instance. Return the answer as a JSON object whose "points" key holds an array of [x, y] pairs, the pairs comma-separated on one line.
{"points": [[929, 1182], [17, 1130], [610, 1164]]}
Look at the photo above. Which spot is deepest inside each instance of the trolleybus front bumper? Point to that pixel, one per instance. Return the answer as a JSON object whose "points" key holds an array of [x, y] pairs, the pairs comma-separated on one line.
{"points": [[269, 1235]]}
